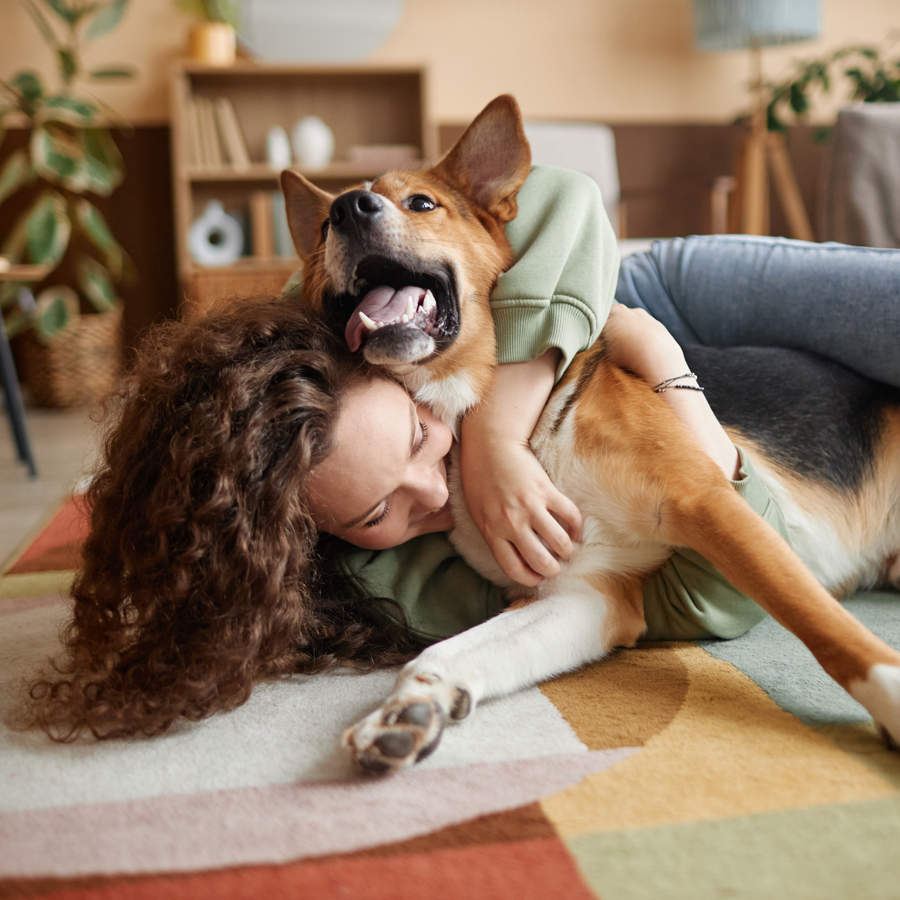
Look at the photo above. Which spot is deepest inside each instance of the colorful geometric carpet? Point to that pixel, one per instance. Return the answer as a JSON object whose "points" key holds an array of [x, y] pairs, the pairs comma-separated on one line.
{"points": [[720, 769]]}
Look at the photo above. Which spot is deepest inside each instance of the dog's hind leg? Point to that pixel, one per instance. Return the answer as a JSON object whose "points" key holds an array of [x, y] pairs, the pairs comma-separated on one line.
{"points": [[573, 623], [718, 524]]}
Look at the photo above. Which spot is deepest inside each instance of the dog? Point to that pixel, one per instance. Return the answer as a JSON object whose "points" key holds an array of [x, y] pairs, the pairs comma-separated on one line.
{"points": [[432, 243]]}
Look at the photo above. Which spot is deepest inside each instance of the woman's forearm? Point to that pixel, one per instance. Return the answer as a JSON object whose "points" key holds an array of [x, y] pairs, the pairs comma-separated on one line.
{"points": [[515, 402]]}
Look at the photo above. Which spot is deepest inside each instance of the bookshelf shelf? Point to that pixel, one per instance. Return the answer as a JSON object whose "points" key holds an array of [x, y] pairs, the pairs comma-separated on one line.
{"points": [[348, 172], [220, 120]]}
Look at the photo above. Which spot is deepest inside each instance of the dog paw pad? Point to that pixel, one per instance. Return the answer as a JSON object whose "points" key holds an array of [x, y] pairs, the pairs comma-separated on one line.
{"points": [[462, 704], [399, 734]]}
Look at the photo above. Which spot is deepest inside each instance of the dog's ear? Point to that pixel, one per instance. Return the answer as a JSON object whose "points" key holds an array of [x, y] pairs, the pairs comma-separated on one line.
{"points": [[307, 207], [491, 160]]}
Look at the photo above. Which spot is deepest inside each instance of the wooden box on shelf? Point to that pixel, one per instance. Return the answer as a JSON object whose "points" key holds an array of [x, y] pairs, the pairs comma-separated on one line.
{"points": [[220, 121]]}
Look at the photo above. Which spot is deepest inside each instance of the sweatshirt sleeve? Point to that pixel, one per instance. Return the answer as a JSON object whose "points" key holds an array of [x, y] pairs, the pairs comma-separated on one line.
{"points": [[560, 290], [438, 592], [689, 598]]}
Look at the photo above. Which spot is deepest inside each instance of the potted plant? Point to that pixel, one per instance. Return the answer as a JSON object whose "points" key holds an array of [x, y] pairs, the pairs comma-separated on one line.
{"points": [[70, 346], [213, 39], [873, 75]]}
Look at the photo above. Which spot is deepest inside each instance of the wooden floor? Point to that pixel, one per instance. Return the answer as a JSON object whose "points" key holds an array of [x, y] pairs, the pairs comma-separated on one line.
{"points": [[64, 447]]}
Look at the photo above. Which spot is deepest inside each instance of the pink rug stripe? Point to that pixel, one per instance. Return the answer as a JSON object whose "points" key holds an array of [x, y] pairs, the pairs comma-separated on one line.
{"points": [[277, 823], [58, 546]]}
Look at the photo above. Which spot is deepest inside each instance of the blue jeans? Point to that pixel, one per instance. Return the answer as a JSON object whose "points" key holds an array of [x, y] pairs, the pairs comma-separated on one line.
{"points": [[839, 301]]}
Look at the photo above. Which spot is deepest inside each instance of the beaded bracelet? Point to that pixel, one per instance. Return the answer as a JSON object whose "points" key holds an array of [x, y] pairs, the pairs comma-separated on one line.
{"points": [[670, 383]]}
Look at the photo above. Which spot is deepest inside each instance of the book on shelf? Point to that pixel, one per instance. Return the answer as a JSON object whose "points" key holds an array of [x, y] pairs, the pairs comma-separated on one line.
{"points": [[194, 148], [230, 132], [282, 242], [211, 152], [262, 224], [213, 134]]}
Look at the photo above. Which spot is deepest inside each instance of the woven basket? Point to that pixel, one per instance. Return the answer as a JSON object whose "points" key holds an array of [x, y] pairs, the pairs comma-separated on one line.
{"points": [[79, 366], [209, 289]]}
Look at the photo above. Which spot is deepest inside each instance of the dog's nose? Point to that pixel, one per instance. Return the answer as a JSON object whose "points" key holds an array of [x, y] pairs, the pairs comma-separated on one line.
{"points": [[355, 209]]}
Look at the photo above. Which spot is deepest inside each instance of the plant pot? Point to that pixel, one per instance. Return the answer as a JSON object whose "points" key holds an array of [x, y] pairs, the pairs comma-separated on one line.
{"points": [[214, 43], [80, 365]]}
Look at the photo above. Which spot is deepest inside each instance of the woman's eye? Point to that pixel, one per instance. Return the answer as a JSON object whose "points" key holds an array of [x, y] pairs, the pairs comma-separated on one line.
{"points": [[418, 448], [421, 203], [325, 226], [377, 521]]}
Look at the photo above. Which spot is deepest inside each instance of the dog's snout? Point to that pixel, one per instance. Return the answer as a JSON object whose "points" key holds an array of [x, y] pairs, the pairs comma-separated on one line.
{"points": [[355, 209]]}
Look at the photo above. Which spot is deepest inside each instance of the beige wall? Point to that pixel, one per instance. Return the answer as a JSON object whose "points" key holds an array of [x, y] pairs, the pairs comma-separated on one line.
{"points": [[619, 60]]}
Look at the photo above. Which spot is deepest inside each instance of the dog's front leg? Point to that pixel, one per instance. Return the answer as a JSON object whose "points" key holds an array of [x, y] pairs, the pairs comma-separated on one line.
{"points": [[572, 623]]}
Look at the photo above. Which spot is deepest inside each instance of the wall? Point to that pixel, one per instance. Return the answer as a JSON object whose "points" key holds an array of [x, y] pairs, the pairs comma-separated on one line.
{"points": [[597, 59], [600, 59]]}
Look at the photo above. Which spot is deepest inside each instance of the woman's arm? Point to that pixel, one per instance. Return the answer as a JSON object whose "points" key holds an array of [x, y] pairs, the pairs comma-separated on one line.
{"points": [[637, 342], [548, 306], [528, 524]]}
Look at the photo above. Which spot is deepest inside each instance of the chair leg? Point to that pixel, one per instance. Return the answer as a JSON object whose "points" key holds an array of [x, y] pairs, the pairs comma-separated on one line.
{"points": [[15, 408]]}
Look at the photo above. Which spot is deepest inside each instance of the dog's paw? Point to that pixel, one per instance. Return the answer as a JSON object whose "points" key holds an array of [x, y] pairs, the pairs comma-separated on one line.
{"points": [[880, 694], [407, 727]]}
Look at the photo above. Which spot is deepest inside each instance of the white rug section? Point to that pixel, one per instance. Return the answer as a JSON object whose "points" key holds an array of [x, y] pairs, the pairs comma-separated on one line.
{"points": [[287, 731]]}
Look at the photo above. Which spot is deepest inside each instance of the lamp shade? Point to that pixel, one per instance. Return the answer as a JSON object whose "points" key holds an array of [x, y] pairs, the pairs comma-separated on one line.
{"points": [[735, 24]]}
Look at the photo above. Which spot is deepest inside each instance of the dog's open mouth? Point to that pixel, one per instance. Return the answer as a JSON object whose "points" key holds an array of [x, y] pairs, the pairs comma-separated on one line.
{"points": [[395, 303]]}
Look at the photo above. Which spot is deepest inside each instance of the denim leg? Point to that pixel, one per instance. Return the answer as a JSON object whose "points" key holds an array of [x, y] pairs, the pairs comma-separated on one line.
{"points": [[839, 301]]}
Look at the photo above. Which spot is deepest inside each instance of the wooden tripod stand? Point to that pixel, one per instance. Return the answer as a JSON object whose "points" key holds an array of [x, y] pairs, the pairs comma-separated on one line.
{"points": [[764, 153]]}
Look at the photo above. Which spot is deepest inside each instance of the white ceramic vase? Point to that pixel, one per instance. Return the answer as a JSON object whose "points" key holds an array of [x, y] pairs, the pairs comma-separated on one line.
{"points": [[216, 238], [313, 143]]}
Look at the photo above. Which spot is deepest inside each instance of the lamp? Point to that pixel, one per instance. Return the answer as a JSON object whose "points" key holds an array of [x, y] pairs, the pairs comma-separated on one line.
{"points": [[754, 24]]}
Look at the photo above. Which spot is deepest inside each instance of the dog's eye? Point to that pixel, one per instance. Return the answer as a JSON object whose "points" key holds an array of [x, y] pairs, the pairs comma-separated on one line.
{"points": [[325, 227], [421, 203]]}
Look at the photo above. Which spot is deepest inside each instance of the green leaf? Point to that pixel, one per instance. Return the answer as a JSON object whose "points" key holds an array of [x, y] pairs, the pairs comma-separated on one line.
{"points": [[65, 108], [96, 284], [56, 308], [68, 64], [95, 227], [773, 123], [109, 72], [868, 52], [799, 103], [106, 19], [15, 172], [223, 11], [60, 157], [48, 229], [41, 22], [28, 85], [70, 15], [103, 161]]}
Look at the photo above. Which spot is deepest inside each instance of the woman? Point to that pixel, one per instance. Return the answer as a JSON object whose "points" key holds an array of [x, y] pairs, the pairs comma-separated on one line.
{"points": [[204, 571]]}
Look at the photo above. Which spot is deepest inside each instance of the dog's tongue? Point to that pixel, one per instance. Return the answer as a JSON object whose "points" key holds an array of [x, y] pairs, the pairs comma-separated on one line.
{"points": [[383, 305]]}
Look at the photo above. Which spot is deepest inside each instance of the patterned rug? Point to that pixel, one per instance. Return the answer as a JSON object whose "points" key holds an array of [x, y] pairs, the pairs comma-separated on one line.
{"points": [[719, 769]]}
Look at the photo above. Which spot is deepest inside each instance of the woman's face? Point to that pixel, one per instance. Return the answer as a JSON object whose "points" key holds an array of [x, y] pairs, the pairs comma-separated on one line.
{"points": [[386, 479]]}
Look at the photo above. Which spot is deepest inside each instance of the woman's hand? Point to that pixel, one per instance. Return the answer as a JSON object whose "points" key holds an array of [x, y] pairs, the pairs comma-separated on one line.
{"points": [[528, 524]]}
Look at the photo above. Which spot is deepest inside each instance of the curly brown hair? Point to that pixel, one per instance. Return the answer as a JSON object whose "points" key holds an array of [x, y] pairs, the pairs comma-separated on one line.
{"points": [[203, 572]]}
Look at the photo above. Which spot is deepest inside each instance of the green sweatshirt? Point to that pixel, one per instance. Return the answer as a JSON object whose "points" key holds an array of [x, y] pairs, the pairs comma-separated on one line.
{"points": [[558, 294]]}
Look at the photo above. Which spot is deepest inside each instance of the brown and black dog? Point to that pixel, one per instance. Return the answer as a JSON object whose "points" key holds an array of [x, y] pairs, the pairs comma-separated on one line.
{"points": [[405, 267]]}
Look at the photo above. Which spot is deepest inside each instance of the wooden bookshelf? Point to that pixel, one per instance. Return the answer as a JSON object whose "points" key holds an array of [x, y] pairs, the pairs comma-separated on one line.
{"points": [[362, 105]]}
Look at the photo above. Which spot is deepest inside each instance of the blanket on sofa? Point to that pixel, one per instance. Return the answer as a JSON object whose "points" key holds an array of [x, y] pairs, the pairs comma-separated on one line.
{"points": [[688, 770]]}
